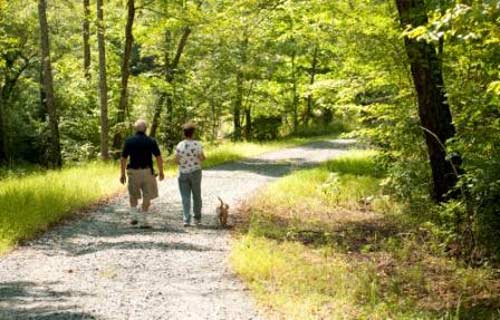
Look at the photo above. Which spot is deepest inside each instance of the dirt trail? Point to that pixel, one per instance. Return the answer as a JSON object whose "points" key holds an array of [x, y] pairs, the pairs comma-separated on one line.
{"points": [[99, 267]]}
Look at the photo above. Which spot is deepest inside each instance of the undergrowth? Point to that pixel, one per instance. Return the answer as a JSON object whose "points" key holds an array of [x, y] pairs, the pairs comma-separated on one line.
{"points": [[329, 243]]}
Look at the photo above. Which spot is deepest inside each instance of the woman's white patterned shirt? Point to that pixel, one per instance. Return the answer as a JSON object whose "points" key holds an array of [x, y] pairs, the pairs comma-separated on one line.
{"points": [[189, 153]]}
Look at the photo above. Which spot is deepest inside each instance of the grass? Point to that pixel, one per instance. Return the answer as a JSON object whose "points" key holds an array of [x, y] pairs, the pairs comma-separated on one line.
{"points": [[32, 203], [33, 199], [327, 243]]}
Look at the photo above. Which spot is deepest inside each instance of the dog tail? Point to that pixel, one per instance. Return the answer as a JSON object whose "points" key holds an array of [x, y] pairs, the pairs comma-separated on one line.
{"points": [[221, 202]]}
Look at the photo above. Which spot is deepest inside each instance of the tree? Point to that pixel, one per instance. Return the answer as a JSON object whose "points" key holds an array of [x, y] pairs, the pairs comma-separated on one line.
{"points": [[125, 73], [103, 85], [54, 150], [86, 36], [169, 68], [434, 111]]}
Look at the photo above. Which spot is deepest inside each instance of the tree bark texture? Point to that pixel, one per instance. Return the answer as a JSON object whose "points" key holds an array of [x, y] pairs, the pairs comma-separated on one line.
{"points": [[312, 77], [3, 142], [54, 149], [237, 106], [125, 73], [86, 37], [103, 83], [238, 101], [434, 111], [295, 96]]}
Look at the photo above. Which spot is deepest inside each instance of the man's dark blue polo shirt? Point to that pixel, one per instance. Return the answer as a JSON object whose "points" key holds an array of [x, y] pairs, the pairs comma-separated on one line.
{"points": [[140, 148]]}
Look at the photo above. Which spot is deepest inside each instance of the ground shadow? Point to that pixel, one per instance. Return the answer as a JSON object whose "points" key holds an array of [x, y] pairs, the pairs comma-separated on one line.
{"points": [[267, 168], [339, 144], [371, 242], [28, 300]]}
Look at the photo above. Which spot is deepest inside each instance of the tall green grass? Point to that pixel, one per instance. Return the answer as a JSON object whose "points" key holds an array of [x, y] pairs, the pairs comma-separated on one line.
{"points": [[32, 203], [327, 243]]}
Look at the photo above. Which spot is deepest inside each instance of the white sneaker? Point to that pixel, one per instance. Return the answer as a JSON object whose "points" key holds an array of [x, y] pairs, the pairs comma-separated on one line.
{"points": [[135, 216]]}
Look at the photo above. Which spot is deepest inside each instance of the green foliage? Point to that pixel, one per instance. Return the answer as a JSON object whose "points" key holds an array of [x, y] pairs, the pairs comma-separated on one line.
{"points": [[304, 68]]}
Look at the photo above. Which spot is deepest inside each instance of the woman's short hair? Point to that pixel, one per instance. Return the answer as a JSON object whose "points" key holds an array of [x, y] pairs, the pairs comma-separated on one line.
{"points": [[189, 129]]}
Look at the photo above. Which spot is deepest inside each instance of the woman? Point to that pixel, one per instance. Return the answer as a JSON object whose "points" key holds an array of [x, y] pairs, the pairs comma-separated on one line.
{"points": [[189, 156]]}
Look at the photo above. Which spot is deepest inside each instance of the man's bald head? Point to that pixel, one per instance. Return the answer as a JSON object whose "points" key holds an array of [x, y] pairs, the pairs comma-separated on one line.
{"points": [[140, 125]]}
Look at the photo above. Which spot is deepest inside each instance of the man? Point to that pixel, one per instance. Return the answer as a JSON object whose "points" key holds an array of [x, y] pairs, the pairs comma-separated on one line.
{"points": [[189, 156], [141, 178]]}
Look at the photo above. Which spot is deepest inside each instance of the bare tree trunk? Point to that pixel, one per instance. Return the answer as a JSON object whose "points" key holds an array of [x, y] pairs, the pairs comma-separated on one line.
{"points": [[295, 98], [248, 123], [312, 75], [3, 142], [237, 106], [86, 36], [434, 111], [103, 84], [125, 71], [238, 101], [54, 150]]}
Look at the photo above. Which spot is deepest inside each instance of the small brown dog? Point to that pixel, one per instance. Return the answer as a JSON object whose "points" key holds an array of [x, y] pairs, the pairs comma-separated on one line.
{"points": [[222, 212]]}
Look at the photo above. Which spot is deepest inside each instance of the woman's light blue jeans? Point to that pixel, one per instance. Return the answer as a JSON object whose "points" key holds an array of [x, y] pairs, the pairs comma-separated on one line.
{"points": [[190, 184]]}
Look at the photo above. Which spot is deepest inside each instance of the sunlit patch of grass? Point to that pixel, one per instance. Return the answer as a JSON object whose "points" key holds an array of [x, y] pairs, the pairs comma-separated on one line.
{"points": [[33, 203], [233, 151], [350, 182], [326, 243]]}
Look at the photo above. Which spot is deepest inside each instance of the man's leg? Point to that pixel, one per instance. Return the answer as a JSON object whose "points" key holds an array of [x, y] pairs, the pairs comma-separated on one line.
{"points": [[185, 190], [146, 203], [134, 194], [133, 202], [149, 190], [196, 189]]}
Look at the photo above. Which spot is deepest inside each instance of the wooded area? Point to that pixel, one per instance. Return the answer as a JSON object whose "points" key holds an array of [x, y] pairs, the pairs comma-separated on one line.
{"points": [[419, 80]]}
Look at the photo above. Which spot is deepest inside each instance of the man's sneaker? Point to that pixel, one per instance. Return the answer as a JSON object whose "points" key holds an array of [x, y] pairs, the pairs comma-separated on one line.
{"points": [[197, 222], [187, 224], [134, 216]]}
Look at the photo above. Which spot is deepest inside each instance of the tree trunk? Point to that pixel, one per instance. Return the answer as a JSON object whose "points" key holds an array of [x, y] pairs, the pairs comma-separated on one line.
{"points": [[3, 142], [156, 115], [103, 84], [54, 150], [295, 97], [170, 68], [312, 76], [434, 111], [238, 101], [86, 36], [248, 124], [125, 72], [237, 106]]}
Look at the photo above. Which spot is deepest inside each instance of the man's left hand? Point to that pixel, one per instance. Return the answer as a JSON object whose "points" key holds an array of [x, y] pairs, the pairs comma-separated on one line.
{"points": [[162, 176], [123, 179]]}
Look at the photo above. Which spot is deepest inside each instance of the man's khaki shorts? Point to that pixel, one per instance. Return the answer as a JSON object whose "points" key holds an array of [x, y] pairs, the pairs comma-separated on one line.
{"points": [[142, 181]]}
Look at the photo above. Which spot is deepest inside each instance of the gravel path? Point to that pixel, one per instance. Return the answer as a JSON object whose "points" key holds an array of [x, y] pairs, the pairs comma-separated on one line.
{"points": [[99, 267]]}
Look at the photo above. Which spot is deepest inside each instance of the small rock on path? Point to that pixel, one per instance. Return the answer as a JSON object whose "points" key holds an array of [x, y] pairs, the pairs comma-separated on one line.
{"points": [[100, 267]]}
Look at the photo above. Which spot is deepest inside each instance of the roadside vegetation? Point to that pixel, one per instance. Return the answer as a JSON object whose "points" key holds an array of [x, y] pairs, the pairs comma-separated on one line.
{"points": [[32, 199], [332, 243]]}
